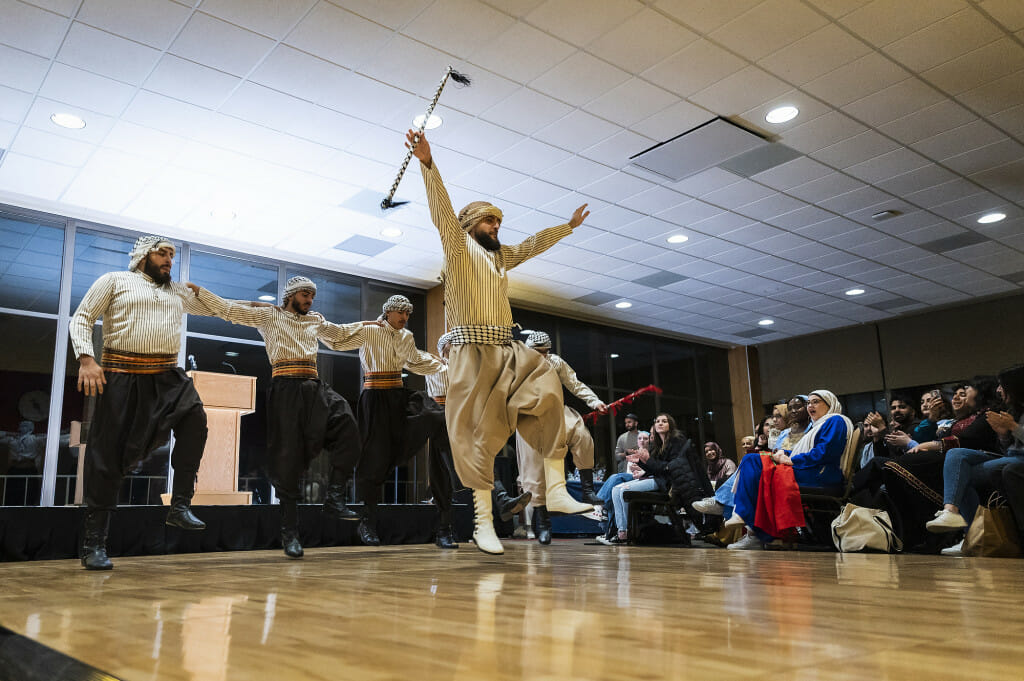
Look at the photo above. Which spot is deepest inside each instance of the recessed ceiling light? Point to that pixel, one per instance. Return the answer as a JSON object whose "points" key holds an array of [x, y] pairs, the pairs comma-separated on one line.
{"points": [[855, 292], [267, 299], [677, 239], [614, 355], [432, 122], [230, 353], [391, 231], [766, 322], [989, 218], [223, 214], [66, 120], [623, 304], [782, 114]]}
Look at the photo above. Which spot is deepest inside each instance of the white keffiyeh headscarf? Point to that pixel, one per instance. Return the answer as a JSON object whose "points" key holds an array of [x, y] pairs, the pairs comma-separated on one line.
{"points": [[145, 245], [835, 410], [296, 284]]}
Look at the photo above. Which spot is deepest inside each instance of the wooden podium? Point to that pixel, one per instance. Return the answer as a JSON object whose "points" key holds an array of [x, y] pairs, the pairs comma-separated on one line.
{"points": [[226, 398]]}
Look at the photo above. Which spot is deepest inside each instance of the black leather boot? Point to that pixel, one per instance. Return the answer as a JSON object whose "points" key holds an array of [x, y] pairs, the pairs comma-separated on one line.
{"points": [[94, 540], [542, 524], [290, 528], [334, 503], [446, 532], [505, 505], [180, 514], [587, 487], [367, 529]]}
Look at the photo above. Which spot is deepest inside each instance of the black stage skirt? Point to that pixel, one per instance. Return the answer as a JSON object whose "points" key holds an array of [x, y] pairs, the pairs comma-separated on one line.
{"points": [[304, 417], [395, 424], [134, 416]]}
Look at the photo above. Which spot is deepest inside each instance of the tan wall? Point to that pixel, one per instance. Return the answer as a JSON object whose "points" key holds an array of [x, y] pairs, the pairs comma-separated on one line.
{"points": [[746, 391], [934, 347], [435, 317]]}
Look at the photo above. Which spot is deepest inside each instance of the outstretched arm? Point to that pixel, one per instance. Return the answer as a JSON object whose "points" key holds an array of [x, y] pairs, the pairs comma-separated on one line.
{"points": [[453, 239], [542, 240], [236, 313], [573, 384]]}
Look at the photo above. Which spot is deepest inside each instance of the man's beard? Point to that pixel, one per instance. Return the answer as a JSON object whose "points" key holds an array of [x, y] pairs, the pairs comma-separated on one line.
{"points": [[291, 307], [155, 274], [488, 242]]}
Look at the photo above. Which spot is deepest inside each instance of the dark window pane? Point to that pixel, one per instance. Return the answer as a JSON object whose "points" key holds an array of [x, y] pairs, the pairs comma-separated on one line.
{"points": [[336, 299], [30, 262], [585, 348], [633, 368], [234, 279], [26, 370], [676, 374]]}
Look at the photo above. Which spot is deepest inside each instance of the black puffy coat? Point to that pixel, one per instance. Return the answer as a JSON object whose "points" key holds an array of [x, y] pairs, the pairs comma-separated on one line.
{"points": [[681, 467]]}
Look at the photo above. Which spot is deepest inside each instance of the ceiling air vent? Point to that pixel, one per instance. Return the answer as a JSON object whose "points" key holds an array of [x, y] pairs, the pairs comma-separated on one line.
{"points": [[708, 145]]}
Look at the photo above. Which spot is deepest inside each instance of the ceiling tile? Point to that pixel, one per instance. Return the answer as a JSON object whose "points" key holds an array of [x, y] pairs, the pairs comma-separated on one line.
{"points": [[458, 26], [530, 156], [522, 53], [825, 187], [822, 132], [86, 90], [223, 46], [191, 82], [885, 166], [856, 149], [989, 62], [743, 90], [758, 32], [526, 110], [579, 79], [31, 28], [673, 121], [51, 147], [153, 22], [641, 41], [575, 171], [885, 21], [831, 46], [694, 68], [617, 150], [576, 131], [589, 18], [894, 102], [944, 40], [107, 55], [855, 80], [995, 96], [394, 13], [34, 177], [21, 70], [631, 102], [338, 36]]}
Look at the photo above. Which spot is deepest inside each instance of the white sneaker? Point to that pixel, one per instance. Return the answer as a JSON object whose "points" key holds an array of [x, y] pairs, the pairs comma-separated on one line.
{"points": [[955, 550], [734, 519], [709, 506], [946, 521], [604, 540], [749, 543]]}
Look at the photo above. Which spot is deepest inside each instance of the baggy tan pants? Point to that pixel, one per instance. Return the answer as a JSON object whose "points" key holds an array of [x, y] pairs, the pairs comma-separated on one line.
{"points": [[493, 391], [531, 466]]}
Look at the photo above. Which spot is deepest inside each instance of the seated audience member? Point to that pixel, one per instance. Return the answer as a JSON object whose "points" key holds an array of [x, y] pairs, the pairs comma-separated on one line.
{"points": [[867, 477], [749, 444], [965, 469], [667, 443], [913, 482], [935, 411], [720, 467], [1009, 480], [815, 461], [632, 472], [873, 431], [763, 441], [796, 424], [902, 422], [777, 422]]}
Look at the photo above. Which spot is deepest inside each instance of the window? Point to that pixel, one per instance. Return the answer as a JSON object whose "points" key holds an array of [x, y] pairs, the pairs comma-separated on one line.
{"points": [[30, 263], [233, 279]]}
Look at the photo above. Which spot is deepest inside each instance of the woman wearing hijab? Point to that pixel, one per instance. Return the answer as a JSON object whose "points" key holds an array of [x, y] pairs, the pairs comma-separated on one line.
{"points": [[814, 461], [720, 467]]}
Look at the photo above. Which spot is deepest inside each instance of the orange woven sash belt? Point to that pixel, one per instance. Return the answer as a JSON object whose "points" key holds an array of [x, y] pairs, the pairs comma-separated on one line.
{"points": [[295, 368], [374, 380], [134, 363], [439, 399]]}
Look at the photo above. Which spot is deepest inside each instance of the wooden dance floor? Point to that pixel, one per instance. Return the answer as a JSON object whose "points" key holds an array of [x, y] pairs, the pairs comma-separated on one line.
{"points": [[564, 612]]}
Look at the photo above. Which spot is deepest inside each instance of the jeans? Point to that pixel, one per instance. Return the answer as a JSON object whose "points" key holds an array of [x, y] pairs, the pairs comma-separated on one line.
{"points": [[963, 470], [620, 505], [724, 495], [605, 493]]}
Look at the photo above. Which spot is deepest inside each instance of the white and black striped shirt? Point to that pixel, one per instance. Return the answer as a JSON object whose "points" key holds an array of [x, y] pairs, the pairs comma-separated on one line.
{"points": [[572, 383], [475, 279], [437, 384], [287, 335], [139, 315], [387, 349]]}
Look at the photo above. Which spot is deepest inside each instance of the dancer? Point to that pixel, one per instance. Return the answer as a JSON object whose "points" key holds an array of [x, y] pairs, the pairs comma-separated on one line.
{"points": [[395, 422], [437, 387], [142, 394], [304, 414], [578, 440], [496, 386]]}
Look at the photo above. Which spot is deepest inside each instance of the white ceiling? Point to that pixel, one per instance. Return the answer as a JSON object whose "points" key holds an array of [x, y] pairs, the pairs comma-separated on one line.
{"points": [[290, 112]]}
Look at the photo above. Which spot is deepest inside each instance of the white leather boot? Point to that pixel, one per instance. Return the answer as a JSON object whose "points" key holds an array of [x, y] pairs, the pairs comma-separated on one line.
{"points": [[558, 499], [483, 528]]}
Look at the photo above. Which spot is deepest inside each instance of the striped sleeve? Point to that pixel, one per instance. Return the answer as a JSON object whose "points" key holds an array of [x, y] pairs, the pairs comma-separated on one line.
{"points": [[535, 245], [340, 336], [413, 358], [243, 315], [92, 307], [573, 384], [453, 238]]}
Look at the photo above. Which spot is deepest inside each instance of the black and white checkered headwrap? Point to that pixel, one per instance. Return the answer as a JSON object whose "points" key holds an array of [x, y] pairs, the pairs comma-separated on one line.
{"points": [[145, 245], [444, 340], [296, 284], [398, 303], [538, 340]]}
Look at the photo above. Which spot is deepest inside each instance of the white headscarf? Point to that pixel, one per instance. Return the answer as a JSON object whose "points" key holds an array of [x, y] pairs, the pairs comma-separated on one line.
{"points": [[145, 245], [835, 410]]}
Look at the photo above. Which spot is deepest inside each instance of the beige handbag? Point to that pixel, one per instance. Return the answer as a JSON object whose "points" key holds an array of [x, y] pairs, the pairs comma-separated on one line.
{"points": [[864, 529], [993, 533]]}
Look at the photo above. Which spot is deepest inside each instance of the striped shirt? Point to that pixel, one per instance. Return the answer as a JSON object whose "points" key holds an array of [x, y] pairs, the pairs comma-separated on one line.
{"points": [[287, 335], [475, 279], [385, 349], [139, 315], [437, 385], [573, 384]]}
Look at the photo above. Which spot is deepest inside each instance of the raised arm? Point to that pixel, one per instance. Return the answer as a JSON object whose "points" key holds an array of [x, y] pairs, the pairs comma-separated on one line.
{"points": [[573, 384], [453, 239], [542, 240]]}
